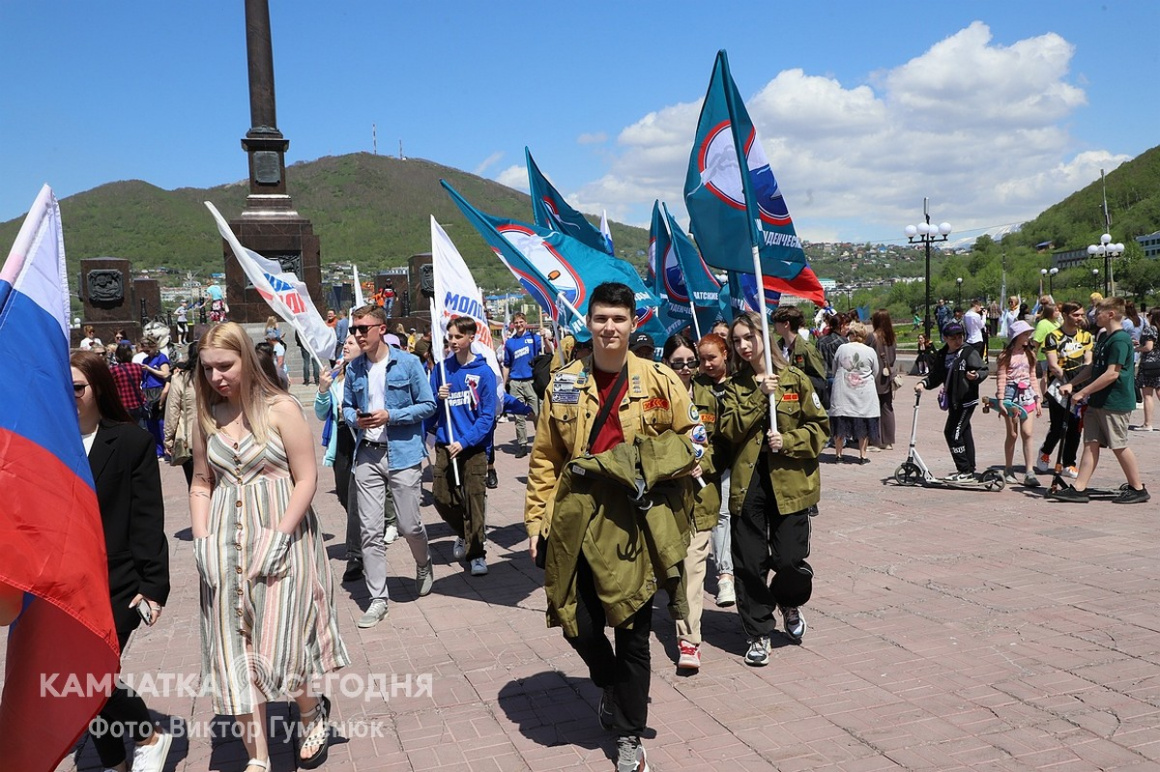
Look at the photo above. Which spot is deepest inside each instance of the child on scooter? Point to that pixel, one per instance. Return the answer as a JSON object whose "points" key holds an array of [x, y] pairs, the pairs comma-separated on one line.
{"points": [[958, 369]]}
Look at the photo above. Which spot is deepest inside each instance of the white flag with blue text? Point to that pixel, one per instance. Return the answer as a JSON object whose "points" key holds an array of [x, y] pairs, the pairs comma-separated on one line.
{"points": [[284, 292]]}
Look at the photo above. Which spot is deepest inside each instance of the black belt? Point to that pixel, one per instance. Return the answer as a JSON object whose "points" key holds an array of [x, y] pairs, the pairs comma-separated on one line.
{"points": [[382, 445], [521, 379]]}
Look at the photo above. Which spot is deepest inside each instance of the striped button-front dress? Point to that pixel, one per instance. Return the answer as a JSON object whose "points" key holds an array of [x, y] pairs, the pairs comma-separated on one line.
{"points": [[269, 635]]}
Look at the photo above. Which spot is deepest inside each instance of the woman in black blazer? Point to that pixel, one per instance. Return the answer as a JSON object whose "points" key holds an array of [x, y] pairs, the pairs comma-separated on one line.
{"points": [[128, 485]]}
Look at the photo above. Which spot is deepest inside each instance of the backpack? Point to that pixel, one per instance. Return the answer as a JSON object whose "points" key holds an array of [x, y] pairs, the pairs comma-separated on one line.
{"points": [[542, 373]]}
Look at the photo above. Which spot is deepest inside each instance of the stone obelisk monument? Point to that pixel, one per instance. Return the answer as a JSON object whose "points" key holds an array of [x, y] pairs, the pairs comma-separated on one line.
{"points": [[269, 224]]}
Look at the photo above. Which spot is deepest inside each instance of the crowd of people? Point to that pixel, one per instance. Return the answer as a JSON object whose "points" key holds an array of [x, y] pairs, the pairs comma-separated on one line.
{"points": [[1089, 368], [692, 467]]}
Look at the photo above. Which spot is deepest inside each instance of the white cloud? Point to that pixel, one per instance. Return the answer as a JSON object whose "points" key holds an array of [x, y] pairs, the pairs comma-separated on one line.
{"points": [[491, 160], [980, 128], [593, 138], [514, 177]]}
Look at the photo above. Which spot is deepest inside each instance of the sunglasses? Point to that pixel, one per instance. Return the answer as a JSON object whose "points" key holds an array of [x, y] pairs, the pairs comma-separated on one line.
{"points": [[79, 388], [362, 329], [682, 364]]}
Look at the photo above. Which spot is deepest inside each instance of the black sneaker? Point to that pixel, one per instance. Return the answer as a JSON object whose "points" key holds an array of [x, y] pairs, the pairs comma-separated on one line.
{"points": [[1070, 494], [1133, 496], [354, 572], [492, 481], [523, 451]]}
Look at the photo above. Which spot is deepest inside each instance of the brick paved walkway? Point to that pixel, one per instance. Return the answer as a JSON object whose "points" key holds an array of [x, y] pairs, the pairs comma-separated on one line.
{"points": [[948, 630]]}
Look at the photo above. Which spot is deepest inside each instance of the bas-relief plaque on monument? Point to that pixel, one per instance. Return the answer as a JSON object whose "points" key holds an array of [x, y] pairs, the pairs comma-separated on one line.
{"points": [[106, 286], [267, 167], [291, 262]]}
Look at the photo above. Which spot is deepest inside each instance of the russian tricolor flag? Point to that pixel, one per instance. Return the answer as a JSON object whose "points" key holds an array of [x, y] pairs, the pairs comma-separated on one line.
{"points": [[62, 647]]}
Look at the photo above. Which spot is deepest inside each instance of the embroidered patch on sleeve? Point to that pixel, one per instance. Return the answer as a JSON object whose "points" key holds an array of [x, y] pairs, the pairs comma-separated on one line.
{"points": [[657, 403]]}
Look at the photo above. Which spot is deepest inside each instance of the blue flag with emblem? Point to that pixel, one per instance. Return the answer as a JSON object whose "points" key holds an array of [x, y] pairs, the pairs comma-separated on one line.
{"points": [[549, 264], [667, 279], [551, 211], [671, 316], [686, 271], [732, 212]]}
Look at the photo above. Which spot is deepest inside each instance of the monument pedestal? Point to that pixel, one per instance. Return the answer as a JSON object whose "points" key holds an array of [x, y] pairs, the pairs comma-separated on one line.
{"points": [[283, 237], [110, 300]]}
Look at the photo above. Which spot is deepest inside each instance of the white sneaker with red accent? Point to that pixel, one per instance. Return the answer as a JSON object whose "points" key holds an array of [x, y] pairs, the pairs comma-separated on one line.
{"points": [[690, 658]]}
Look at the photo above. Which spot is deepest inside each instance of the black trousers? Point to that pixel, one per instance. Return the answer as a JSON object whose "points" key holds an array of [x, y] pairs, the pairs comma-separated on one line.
{"points": [[765, 540], [960, 441], [124, 715], [625, 668], [1064, 428], [344, 449]]}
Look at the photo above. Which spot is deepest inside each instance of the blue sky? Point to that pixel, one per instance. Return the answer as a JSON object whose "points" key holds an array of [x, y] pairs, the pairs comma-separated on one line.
{"points": [[994, 110]]}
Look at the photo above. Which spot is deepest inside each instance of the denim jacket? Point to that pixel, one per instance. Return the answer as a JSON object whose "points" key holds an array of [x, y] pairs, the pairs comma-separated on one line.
{"points": [[407, 398]]}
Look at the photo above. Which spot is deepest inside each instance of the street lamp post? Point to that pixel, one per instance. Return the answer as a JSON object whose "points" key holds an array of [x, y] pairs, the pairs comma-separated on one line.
{"points": [[926, 234], [1107, 250], [1051, 282], [959, 300], [1095, 279]]}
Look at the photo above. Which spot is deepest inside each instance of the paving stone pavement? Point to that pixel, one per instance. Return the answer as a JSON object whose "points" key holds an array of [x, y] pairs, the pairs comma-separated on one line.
{"points": [[948, 630]]}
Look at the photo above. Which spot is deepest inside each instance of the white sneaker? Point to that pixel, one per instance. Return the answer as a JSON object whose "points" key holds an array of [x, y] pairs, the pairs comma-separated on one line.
{"points": [[375, 613], [1043, 464], [795, 623], [479, 566], [726, 594], [392, 533], [459, 550], [1071, 472], [424, 578], [151, 758]]}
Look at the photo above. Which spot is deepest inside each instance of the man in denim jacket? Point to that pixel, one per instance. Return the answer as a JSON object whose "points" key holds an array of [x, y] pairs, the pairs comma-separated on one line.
{"points": [[387, 398]]}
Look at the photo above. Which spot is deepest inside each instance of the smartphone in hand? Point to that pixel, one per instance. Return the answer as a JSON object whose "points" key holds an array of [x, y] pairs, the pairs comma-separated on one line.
{"points": [[145, 610]]}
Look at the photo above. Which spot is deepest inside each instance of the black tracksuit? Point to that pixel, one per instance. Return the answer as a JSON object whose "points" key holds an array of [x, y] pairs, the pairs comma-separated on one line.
{"points": [[962, 395]]}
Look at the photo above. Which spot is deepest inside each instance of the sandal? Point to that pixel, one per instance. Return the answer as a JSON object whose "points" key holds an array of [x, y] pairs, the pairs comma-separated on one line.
{"points": [[314, 732], [260, 763]]}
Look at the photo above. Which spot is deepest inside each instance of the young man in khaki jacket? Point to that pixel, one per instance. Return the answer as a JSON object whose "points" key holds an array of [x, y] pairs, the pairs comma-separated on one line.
{"points": [[598, 555]]}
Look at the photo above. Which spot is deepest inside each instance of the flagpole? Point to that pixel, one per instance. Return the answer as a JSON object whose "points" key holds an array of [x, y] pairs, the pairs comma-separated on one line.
{"points": [[696, 324], [767, 355], [446, 404], [564, 302]]}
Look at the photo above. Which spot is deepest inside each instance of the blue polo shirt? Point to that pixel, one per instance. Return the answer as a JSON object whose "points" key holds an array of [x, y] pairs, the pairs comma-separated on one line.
{"points": [[518, 353]]}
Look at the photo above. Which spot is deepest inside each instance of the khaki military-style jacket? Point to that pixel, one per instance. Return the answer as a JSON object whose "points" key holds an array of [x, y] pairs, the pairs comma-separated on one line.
{"points": [[707, 503], [655, 401], [805, 429]]}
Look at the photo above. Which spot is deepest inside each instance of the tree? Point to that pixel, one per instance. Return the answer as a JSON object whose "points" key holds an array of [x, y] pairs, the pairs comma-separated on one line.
{"points": [[983, 244]]}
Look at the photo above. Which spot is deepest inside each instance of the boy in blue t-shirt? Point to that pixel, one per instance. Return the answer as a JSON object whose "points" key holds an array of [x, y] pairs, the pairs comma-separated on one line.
{"points": [[467, 394], [519, 351]]}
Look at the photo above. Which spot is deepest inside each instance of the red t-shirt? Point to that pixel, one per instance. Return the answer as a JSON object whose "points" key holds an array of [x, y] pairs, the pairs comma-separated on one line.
{"points": [[612, 433]]}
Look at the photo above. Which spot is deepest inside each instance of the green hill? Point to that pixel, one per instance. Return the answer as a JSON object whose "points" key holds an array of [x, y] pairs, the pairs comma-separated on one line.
{"points": [[372, 210], [1078, 220]]}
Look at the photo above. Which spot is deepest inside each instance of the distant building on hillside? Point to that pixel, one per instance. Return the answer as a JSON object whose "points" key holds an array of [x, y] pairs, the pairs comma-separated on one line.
{"points": [[1150, 244], [1069, 258]]}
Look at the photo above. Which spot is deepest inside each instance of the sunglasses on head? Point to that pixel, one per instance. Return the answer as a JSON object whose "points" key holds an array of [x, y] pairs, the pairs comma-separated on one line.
{"points": [[362, 329]]}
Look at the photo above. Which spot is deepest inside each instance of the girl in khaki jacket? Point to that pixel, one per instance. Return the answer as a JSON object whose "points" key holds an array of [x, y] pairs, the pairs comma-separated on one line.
{"points": [[775, 485]]}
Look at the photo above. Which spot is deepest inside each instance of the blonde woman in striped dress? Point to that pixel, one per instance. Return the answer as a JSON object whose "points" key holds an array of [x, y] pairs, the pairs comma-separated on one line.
{"points": [[268, 625]]}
